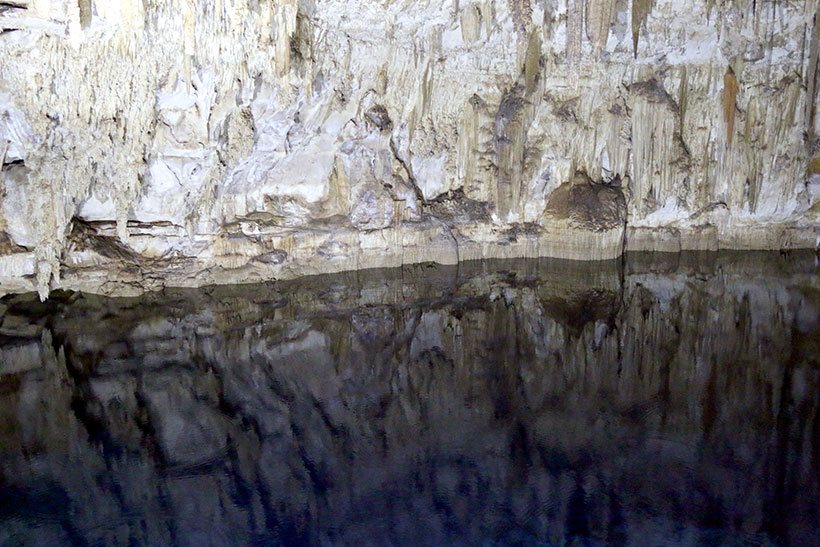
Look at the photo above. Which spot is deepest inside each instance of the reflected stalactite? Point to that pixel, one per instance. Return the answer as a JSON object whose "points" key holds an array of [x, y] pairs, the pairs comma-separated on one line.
{"points": [[507, 401]]}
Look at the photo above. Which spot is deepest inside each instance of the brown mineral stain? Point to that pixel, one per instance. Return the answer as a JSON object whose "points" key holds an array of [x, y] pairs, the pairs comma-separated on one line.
{"points": [[730, 89]]}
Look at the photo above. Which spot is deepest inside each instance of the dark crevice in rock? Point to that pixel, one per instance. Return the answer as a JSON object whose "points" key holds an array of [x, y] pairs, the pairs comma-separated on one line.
{"points": [[408, 170], [589, 205], [8, 5], [85, 236], [655, 92], [456, 207]]}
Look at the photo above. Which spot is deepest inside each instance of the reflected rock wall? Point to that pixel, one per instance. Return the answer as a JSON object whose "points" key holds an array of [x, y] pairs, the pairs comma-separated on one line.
{"points": [[513, 401]]}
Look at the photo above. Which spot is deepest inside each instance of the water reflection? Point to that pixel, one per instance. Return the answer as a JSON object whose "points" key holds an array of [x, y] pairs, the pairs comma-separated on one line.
{"points": [[650, 402]]}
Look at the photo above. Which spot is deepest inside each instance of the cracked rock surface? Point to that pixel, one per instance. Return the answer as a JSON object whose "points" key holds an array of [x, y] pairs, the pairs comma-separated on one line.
{"points": [[151, 143], [651, 401]]}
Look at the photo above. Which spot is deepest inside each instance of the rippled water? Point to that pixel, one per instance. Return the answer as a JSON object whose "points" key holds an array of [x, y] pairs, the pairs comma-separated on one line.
{"points": [[654, 401]]}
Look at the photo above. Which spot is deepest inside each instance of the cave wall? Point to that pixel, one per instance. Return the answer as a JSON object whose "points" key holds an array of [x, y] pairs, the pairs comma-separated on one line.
{"points": [[460, 403], [184, 142]]}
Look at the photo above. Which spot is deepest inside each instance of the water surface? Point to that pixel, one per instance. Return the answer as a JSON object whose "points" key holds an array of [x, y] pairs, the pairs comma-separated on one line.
{"points": [[660, 400]]}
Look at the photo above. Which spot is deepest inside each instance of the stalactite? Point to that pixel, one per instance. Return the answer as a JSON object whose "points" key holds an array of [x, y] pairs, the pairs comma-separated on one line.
{"points": [[285, 21], [575, 24], [753, 160], [683, 93], [640, 11], [471, 22], [657, 155], [730, 89], [811, 78], [189, 33], [532, 63], [599, 15], [468, 146], [521, 11], [85, 13], [509, 139]]}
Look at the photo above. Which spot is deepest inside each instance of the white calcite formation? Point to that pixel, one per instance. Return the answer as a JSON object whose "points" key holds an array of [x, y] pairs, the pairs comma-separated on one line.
{"points": [[185, 142]]}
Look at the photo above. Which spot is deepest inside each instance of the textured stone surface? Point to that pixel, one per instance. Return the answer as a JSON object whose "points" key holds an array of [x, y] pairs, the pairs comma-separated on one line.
{"points": [[184, 142]]}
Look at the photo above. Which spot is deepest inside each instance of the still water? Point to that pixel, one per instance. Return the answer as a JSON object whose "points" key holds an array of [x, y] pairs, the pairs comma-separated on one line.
{"points": [[651, 401]]}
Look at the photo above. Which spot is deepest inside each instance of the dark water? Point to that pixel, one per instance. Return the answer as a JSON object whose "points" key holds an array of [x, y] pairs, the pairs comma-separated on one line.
{"points": [[654, 402]]}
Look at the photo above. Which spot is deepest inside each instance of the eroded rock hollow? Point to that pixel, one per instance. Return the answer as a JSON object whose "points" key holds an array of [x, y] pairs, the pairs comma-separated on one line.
{"points": [[186, 142]]}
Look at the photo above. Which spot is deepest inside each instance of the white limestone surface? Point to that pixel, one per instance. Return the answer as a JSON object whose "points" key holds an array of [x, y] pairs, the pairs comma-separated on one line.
{"points": [[146, 143]]}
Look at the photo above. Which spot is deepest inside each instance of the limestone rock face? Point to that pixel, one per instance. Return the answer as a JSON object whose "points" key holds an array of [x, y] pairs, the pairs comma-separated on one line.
{"points": [[197, 137]]}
